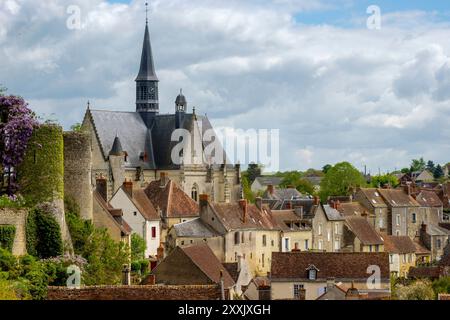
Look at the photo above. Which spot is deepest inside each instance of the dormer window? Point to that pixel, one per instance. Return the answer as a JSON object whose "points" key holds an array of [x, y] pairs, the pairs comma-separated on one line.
{"points": [[312, 272]]}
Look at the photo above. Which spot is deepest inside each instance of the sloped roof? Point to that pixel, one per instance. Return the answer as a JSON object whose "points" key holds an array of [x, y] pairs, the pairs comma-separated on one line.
{"points": [[195, 228], [285, 217], [232, 268], [428, 199], [144, 205], [332, 214], [203, 257], [283, 194], [398, 198], [267, 180], [374, 197], [352, 209], [116, 215], [363, 230], [231, 217], [330, 265], [437, 231], [399, 244], [420, 249], [432, 272], [173, 201]]}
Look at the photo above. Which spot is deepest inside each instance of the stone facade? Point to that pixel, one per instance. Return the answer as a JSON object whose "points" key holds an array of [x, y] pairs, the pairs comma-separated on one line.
{"points": [[77, 171], [155, 292], [17, 218], [327, 235]]}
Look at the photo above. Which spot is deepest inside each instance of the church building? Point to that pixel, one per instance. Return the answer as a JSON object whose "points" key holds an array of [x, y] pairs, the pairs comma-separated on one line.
{"points": [[137, 145]]}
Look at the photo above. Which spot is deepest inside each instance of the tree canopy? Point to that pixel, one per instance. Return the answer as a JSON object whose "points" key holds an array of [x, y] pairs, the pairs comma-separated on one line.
{"points": [[340, 180]]}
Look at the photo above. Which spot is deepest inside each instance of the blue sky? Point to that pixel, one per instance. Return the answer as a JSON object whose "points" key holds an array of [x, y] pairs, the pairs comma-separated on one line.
{"points": [[310, 68]]}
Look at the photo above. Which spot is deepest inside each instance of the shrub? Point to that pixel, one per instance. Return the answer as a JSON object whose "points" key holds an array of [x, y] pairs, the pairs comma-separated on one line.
{"points": [[11, 202], [7, 234], [80, 231], [418, 290]]}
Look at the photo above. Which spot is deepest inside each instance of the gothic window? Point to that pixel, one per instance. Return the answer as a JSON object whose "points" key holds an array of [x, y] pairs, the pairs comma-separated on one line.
{"points": [[194, 193]]}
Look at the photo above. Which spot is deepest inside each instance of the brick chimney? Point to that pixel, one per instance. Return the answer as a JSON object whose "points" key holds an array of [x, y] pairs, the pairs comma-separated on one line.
{"points": [[163, 179], [296, 249], [258, 202], [316, 200], [302, 294], [128, 187], [101, 187], [270, 188], [203, 203], [244, 206], [352, 293]]}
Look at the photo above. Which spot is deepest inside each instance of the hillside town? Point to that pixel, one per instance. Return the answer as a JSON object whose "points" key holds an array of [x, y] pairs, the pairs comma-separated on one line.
{"points": [[102, 212]]}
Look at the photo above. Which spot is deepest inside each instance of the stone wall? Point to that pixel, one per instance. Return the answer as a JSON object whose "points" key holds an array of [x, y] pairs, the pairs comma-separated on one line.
{"points": [[155, 292], [77, 171], [18, 219]]}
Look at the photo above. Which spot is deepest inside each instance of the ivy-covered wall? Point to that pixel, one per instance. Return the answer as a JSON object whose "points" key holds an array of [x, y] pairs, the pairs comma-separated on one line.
{"points": [[41, 175], [7, 234]]}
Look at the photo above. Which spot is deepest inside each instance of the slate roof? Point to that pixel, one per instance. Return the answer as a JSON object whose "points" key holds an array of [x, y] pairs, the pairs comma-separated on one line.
{"points": [[230, 216], [173, 201], [195, 229], [332, 214], [374, 197], [399, 244], [428, 199], [203, 257], [437, 231], [398, 198], [138, 140], [363, 230], [283, 194], [147, 68], [293, 266], [267, 181]]}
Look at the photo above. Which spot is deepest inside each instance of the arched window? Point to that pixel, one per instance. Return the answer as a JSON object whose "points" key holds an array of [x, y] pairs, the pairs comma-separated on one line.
{"points": [[194, 193]]}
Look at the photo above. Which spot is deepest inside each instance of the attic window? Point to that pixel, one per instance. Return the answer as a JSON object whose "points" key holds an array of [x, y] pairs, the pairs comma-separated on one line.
{"points": [[312, 274], [373, 200]]}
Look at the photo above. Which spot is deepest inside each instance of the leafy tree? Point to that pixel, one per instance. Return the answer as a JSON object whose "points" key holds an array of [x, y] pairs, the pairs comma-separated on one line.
{"points": [[291, 178], [253, 171], [76, 127], [431, 166], [313, 173], [418, 290], [326, 168], [418, 165], [340, 180], [105, 258], [438, 172], [138, 247], [441, 285], [405, 170], [305, 187], [247, 190], [388, 179], [80, 231]]}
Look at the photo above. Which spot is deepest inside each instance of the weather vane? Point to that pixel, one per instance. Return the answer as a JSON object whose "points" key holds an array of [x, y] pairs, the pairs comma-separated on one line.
{"points": [[146, 12]]}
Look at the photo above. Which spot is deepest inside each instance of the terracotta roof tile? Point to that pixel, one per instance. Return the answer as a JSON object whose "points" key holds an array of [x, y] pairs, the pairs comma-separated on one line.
{"points": [[114, 214], [330, 265], [352, 209], [428, 199], [399, 244], [173, 201], [374, 197], [363, 230], [287, 220], [144, 205], [398, 198]]}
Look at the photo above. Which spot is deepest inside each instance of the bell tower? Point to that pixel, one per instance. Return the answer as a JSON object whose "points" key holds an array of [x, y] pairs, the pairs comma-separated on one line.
{"points": [[147, 95]]}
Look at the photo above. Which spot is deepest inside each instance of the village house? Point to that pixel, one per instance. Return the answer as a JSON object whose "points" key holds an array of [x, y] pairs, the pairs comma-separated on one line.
{"points": [[307, 275], [111, 219], [431, 208], [141, 215], [372, 200], [360, 236], [328, 228], [402, 255], [258, 289], [172, 203], [296, 233], [262, 183], [282, 198], [435, 239], [403, 212], [422, 176], [194, 265]]}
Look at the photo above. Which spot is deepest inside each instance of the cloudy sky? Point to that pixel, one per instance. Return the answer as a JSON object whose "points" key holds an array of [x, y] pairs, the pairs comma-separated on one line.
{"points": [[336, 89]]}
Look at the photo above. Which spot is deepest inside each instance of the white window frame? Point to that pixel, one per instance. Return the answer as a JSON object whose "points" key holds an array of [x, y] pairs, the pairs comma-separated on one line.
{"points": [[397, 219]]}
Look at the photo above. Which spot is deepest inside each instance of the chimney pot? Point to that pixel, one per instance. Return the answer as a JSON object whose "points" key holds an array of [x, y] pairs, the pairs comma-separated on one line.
{"points": [[128, 187]]}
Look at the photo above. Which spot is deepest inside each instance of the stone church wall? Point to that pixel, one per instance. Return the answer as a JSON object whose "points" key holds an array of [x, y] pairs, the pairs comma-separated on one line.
{"points": [[77, 171]]}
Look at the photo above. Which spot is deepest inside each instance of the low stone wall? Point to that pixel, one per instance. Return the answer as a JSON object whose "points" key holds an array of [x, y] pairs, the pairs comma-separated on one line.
{"points": [[17, 218], [156, 292]]}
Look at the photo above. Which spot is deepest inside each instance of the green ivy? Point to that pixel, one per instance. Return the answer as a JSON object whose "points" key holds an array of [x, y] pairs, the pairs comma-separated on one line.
{"points": [[41, 175], [43, 235], [7, 234]]}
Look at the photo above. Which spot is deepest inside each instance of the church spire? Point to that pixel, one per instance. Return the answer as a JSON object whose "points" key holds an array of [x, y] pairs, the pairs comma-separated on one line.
{"points": [[147, 81]]}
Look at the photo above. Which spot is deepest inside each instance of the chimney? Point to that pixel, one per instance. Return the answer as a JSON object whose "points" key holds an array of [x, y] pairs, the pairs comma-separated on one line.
{"points": [[270, 188], [160, 252], [296, 249], [408, 189], [258, 202], [299, 212], [128, 187], [126, 276], [239, 263], [352, 293], [151, 280], [244, 206], [330, 284], [203, 202], [163, 180], [302, 294], [316, 200], [101, 187]]}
